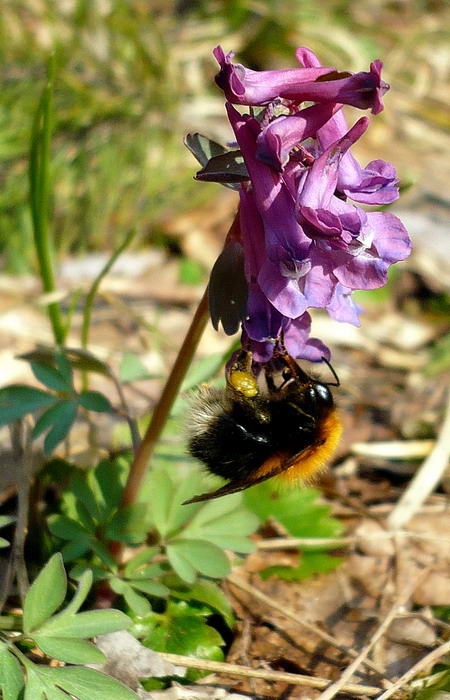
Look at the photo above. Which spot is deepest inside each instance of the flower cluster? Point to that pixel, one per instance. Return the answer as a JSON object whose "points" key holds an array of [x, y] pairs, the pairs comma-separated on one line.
{"points": [[301, 239]]}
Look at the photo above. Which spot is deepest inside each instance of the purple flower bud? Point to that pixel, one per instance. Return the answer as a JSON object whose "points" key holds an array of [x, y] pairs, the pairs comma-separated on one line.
{"points": [[244, 86], [247, 87]]}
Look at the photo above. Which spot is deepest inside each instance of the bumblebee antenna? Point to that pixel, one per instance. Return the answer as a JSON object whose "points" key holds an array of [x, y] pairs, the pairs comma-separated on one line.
{"points": [[333, 372]]}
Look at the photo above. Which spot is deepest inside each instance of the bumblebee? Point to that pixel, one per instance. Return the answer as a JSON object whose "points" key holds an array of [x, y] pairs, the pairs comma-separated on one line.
{"points": [[245, 434]]}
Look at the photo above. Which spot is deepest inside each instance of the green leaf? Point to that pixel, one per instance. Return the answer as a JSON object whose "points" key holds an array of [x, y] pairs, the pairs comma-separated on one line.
{"points": [[59, 418], [180, 564], [75, 549], [6, 520], [72, 651], [79, 359], [128, 524], [46, 594], [138, 604], [146, 572], [64, 367], [3, 543], [66, 528], [311, 563], [11, 676], [296, 509], [144, 556], [85, 624], [132, 369], [51, 378], [85, 683], [95, 401], [83, 588], [150, 587], [182, 631], [161, 495], [224, 523], [17, 400], [205, 592], [103, 553], [203, 556]]}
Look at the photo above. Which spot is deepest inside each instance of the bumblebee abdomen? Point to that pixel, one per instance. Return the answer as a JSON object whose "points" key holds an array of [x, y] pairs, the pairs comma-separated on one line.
{"points": [[231, 449]]}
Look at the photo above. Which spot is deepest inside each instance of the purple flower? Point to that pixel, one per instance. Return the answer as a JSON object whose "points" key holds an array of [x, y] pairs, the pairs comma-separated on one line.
{"points": [[359, 245], [244, 86], [298, 242], [277, 140], [374, 184]]}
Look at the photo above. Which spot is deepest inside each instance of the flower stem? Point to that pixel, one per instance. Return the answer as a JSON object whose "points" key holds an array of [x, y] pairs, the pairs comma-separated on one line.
{"points": [[168, 396]]}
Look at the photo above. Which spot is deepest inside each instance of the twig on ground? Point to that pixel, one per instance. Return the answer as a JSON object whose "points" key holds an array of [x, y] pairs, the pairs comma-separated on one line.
{"points": [[426, 479], [291, 615], [428, 660], [338, 686], [274, 676]]}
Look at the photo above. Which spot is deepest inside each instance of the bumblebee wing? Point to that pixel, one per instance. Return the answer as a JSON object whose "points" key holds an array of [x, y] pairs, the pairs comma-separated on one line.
{"points": [[251, 479]]}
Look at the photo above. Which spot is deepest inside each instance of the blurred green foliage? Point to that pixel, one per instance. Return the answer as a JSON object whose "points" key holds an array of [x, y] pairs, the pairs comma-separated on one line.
{"points": [[134, 76]]}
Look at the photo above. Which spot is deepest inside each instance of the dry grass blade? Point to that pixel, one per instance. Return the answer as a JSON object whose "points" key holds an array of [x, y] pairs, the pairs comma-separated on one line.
{"points": [[394, 449], [339, 685], [274, 676], [426, 479], [291, 615], [427, 661]]}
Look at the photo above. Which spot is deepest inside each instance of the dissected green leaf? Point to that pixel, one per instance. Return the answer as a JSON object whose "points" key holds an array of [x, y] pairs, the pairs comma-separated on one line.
{"points": [[95, 401], [84, 683], [18, 400], [59, 418], [11, 676], [85, 624], [182, 630], [51, 377], [296, 509], [72, 651], [78, 358], [310, 563], [46, 594], [205, 592], [203, 556]]}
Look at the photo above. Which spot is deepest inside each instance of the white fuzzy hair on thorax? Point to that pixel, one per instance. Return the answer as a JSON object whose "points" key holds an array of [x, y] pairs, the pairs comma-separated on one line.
{"points": [[206, 404]]}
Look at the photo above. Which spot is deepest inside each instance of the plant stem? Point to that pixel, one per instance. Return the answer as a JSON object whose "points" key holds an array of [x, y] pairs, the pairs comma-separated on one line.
{"points": [[168, 396], [39, 198]]}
